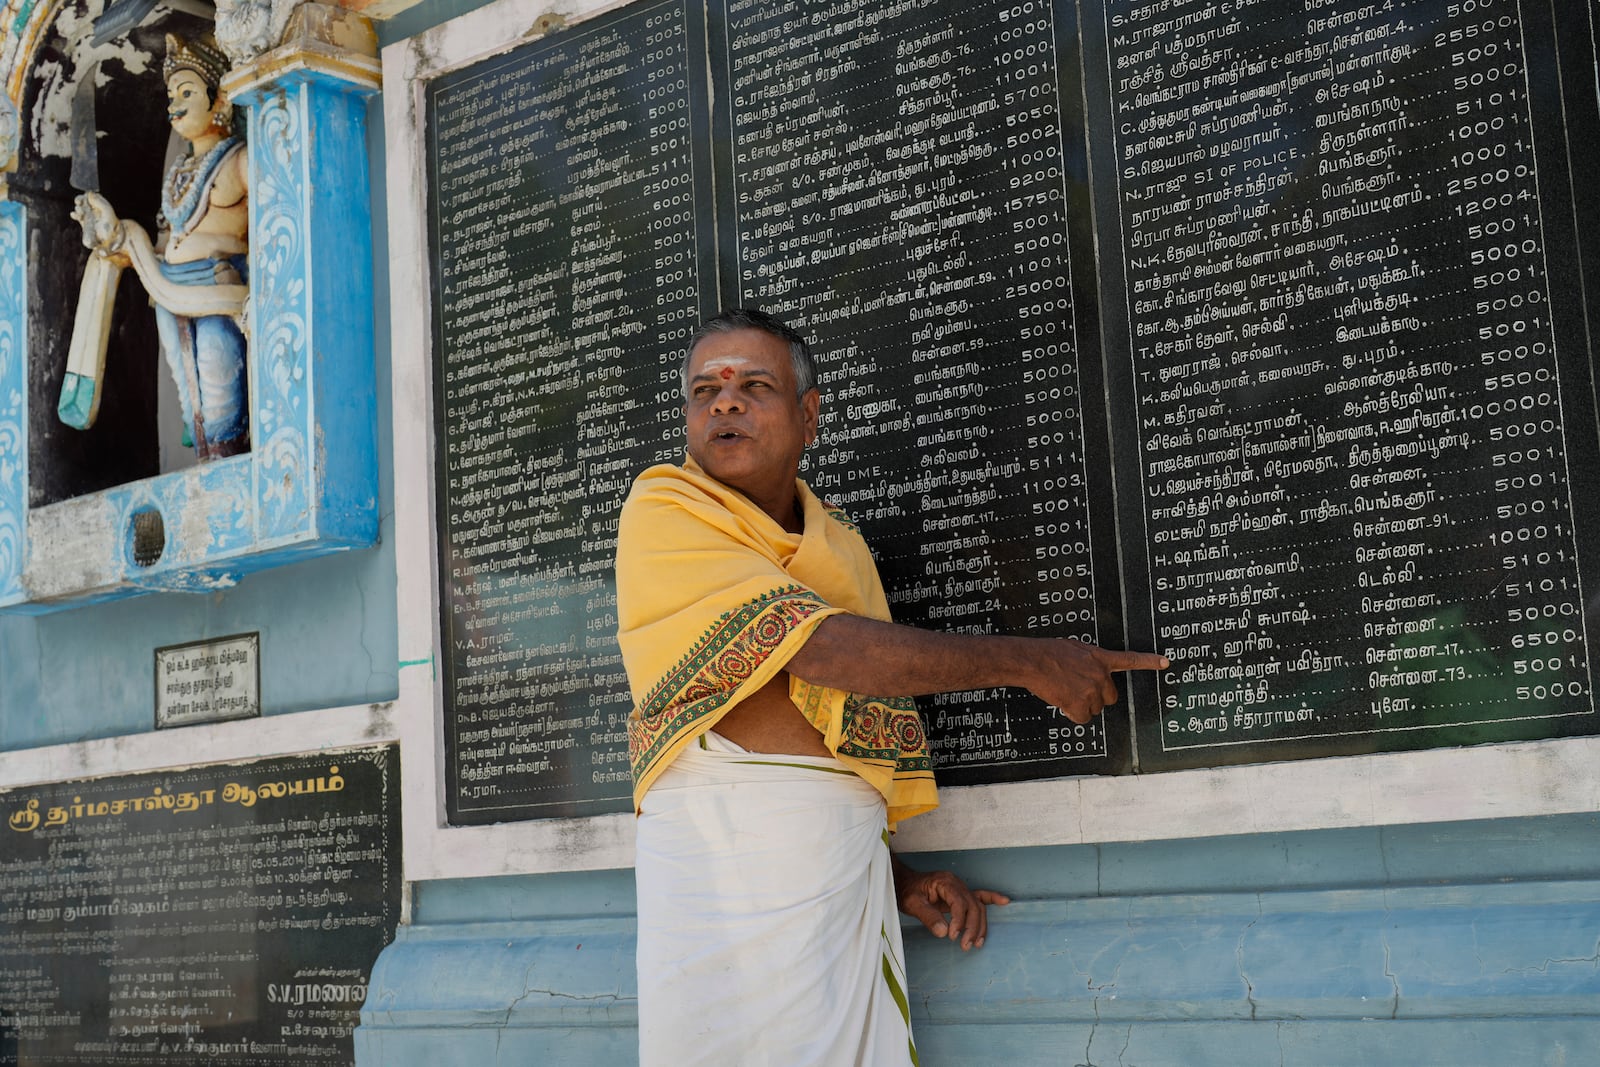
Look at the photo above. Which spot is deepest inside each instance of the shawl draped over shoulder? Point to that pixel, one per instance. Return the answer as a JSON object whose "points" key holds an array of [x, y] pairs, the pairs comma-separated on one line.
{"points": [[714, 597]]}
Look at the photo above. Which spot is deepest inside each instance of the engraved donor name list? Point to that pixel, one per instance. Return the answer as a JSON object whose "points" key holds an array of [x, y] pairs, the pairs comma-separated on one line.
{"points": [[1253, 335], [900, 178], [569, 274], [1353, 451]]}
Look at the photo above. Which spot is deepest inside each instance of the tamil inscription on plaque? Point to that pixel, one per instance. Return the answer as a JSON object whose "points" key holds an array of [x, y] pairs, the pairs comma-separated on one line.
{"points": [[220, 915], [208, 681], [569, 178], [899, 179], [1355, 456], [1252, 336]]}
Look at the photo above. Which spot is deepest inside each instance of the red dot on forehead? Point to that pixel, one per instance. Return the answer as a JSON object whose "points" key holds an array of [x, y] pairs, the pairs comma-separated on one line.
{"points": [[727, 372]]}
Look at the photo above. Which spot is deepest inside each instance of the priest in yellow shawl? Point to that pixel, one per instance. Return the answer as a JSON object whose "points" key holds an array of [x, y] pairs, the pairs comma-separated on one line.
{"points": [[774, 740]]}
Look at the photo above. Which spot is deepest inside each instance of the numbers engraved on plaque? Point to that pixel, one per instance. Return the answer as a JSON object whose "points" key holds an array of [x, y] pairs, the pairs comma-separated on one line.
{"points": [[1349, 413], [900, 183], [568, 279]]}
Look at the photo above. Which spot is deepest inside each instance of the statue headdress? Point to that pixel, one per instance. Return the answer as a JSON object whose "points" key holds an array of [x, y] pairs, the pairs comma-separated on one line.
{"points": [[200, 55]]}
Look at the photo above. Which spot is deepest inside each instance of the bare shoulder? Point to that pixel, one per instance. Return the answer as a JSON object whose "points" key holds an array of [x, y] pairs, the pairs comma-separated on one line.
{"points": [[232, 183]]}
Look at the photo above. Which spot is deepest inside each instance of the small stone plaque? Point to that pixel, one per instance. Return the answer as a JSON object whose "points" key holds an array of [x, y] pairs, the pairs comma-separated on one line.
{"points": [[209, 681]]}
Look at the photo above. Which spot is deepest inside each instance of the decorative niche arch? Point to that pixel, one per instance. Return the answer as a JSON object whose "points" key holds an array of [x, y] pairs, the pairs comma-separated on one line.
{"points": [[88, 515]]}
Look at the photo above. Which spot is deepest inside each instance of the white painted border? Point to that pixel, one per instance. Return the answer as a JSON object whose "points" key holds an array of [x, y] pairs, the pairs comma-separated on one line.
{"points": [[298, 733], [1498, 781], [1439, 785]]}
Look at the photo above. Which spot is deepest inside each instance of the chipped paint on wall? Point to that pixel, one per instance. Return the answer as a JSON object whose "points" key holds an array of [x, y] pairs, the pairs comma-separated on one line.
{"points": [[50, 123]]}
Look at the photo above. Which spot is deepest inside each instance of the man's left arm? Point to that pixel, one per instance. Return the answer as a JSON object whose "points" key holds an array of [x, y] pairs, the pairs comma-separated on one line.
{"points": [[930, 896]]}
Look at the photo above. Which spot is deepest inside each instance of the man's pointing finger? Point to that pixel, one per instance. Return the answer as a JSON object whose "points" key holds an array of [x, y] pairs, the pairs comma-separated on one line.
{"points": [[1114, 660]]}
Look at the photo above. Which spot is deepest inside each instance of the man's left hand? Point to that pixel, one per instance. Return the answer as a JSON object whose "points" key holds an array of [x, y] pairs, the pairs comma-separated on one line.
{"points": [[930, 896]]}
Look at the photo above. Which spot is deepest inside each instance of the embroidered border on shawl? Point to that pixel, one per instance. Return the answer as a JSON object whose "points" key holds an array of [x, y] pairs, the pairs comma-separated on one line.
{"points": [[885, 730], [721, 660]]}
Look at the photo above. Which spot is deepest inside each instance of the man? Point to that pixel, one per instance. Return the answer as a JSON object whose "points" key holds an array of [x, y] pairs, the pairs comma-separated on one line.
{"points": [[774, 740]]}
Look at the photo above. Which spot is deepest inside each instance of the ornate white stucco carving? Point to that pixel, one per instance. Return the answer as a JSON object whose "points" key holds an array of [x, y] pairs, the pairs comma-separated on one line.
{"points": [[247, 28]]}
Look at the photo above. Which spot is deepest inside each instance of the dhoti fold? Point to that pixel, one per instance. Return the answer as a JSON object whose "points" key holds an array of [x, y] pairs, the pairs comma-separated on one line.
{"points": [[768, 932]]}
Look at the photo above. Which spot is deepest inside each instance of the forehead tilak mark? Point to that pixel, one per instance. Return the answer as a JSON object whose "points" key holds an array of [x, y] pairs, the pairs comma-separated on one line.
{"points": [[724, 365]]}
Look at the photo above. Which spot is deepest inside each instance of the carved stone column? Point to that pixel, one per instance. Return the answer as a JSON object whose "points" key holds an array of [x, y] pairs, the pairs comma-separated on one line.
{"points": [[311, 320]]}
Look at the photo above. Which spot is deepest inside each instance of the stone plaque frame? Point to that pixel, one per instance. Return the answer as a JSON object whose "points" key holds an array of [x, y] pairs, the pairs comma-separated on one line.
{"points": [[167, 661]]}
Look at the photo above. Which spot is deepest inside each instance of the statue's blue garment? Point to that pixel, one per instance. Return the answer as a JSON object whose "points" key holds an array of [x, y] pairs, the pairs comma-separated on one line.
{"points": [[207, 358], [207, 354]]}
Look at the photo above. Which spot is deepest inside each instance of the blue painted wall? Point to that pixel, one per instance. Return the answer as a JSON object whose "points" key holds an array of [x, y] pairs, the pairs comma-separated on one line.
{"points": [[328, 626], [1455, 945]]}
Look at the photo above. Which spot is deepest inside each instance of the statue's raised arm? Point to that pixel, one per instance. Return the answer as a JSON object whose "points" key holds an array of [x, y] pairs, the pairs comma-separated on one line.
{"points": [[197, 279]]}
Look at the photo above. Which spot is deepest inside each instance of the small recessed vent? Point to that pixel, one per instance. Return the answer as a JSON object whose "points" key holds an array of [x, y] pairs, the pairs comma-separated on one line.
{"points": [[149, 537]]}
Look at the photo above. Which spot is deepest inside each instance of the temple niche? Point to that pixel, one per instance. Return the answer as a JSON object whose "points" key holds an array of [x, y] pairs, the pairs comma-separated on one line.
{"points": [[93, 117], [255, 446]]}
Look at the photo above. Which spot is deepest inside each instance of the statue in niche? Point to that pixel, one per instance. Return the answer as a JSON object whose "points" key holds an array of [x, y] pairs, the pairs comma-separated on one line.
{"points": [[195, 274]]}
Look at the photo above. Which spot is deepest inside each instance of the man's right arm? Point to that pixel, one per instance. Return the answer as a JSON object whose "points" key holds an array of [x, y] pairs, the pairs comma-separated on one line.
{"points": [[867, 656]]}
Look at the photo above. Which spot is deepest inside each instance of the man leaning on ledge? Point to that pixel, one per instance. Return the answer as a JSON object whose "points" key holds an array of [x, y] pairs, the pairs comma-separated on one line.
{"points": [[774, 740]]}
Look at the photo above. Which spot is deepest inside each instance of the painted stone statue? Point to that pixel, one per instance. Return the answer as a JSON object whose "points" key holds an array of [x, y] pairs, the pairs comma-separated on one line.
{"points": [[196, 275]]}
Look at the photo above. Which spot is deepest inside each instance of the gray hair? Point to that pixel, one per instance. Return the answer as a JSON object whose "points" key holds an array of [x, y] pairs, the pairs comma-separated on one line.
{"points": [[801, 360]]}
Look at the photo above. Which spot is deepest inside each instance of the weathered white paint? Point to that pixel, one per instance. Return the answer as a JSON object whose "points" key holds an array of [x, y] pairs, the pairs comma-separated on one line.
{"points": [[71, 544], [1440, 785], [77, 544], [51, 120], [1537, 778], [228, 742]]}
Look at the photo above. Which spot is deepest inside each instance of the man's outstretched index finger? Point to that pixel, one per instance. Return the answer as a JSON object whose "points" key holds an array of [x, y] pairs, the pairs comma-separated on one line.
{"points": [[1118, 660]]}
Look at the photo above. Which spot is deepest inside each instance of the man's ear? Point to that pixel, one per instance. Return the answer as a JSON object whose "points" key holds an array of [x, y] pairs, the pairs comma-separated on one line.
{"points": [[810, 405]]}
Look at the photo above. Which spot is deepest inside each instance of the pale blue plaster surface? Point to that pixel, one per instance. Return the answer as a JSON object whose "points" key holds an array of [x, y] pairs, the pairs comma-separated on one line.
{"points": [[421, 16], [328, 626], [1455, 945], [1307, 1043], [571, 895]]}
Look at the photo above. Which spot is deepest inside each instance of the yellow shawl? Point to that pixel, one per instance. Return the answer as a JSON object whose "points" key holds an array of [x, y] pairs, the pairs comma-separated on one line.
{"points": [[714, 597]]}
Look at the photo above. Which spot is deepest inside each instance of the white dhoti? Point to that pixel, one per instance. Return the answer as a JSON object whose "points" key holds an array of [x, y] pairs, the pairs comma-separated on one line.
{"points": [[768, 932]]}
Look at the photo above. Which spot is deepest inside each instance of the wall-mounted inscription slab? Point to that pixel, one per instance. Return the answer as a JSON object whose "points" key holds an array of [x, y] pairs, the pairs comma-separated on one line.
{"points": [[569, 179], [1254, 337], [900, 179], [1358, 377], [222, 915]]}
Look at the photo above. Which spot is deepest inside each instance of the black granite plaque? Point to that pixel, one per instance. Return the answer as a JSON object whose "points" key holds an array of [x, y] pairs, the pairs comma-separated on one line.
{"points": [[1356, 370], [908, 184], [571, 180], [223, 915], [1252, 336]]}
